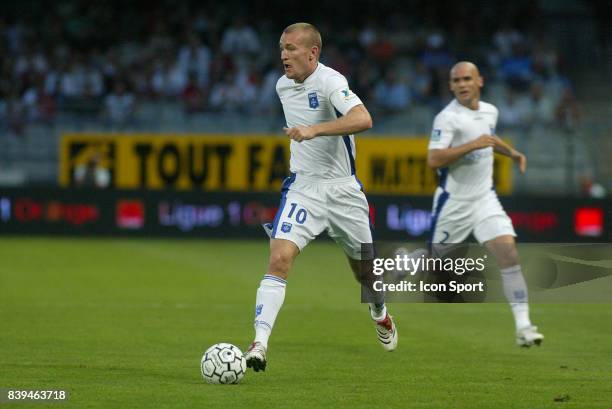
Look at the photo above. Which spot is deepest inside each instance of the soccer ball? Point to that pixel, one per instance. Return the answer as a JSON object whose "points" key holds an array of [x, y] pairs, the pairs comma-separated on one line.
{"points": [[223, 363]]}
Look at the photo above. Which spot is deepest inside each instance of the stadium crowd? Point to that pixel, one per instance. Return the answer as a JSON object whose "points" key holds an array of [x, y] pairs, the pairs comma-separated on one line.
{"points": [[102, 62]]}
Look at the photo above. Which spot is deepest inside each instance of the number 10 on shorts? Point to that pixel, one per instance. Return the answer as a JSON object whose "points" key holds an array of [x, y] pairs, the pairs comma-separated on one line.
{"points": [[301, 214]]}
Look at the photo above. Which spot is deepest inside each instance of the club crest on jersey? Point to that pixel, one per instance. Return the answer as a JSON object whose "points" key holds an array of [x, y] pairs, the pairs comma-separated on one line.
{"points": [[435, 135], [286, 227], [313, 101]]}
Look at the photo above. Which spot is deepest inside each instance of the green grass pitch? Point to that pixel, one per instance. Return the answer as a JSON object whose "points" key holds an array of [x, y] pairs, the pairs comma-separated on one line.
{"points": [[123, 324]]}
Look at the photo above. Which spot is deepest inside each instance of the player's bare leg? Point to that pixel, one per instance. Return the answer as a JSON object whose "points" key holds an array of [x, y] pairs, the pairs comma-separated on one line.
{"points": [[385, 326], [515, 288], [404, 253], [270, 297]]}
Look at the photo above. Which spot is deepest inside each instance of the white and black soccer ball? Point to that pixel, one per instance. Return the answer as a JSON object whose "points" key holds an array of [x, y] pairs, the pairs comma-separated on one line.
{"points": [[223, 364]]}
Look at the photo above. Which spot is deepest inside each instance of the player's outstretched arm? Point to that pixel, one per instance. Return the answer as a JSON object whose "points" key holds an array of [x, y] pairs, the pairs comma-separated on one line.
{"points": [[505, 149], [356, 120], [440, 158]]}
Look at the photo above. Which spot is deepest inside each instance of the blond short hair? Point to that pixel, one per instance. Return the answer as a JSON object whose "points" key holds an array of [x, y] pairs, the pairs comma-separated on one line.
{"points": [[313, 36]]}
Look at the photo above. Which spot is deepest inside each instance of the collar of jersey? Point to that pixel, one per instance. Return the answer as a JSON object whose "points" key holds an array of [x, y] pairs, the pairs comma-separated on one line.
{"points": [[474, 111], [308, 79]]}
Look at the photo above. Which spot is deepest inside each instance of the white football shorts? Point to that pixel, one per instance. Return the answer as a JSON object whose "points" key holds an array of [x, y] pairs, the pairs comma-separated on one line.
{"points": [[453, 220], [310, 206]]}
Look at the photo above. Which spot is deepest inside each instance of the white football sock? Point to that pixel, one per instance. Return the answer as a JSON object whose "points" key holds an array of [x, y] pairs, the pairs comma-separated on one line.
{"points": [[515, 290], [270, 297], [378, 311]]}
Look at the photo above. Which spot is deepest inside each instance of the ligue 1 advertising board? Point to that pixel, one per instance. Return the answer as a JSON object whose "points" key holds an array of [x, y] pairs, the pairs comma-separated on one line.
{"points": [[228, 186], [218, 215]]}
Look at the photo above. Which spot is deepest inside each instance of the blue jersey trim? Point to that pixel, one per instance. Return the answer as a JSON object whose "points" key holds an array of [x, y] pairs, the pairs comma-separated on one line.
{"points": [[286, 184], [347, 143], [434, 219], [349, 149], [443, 174], [359, 182]]}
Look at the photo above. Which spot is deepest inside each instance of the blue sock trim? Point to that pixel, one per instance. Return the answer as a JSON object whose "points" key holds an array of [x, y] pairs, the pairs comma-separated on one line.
{"points": [[274, 278], [263, 323]]}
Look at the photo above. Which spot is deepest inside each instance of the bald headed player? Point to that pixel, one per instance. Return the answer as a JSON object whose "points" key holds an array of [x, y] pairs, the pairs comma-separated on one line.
{"points": [[322, 193], [461, 149]]}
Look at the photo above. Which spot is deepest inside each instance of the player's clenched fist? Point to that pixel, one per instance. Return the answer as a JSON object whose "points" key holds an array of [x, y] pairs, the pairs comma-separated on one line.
{"points": [[484, 141], [300, 133]]}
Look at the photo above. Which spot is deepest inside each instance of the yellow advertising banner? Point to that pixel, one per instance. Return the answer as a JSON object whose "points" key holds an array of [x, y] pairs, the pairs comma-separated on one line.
{"points": [[385, 165]]}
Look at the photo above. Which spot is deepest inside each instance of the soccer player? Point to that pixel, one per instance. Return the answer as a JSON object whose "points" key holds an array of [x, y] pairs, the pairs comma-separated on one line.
{"points": [[461, 149], [322, 193]]}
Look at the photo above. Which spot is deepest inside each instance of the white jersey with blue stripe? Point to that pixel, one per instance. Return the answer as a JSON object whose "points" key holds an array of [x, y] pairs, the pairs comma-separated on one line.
{"points": [[472, 175], [322, 97]]}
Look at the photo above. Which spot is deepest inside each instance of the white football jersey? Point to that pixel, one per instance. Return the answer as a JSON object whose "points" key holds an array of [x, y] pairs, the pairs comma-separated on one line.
{"points": [[322, 97], [472, 175]]}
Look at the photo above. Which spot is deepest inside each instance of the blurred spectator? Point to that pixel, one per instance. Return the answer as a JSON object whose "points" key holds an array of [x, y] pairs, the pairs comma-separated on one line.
{"points": [[365, 80], [92, 173], [30, 63], [15, 113], [240, 38], [119, 105], [55, 61], [224, 95], [545, 59], [248, 83], [94, 83], [267, 98], [505, 40], [201, 23], [436, 56], [39, 105], [232, 96], [516, 69], [111, 67], [161, 40], [567, 111], [540, 106], [14, 36], [168, 79], [380, 48], [513, 111], [368, 33], [72, 80], [195, 58], [391, 95], [421, 83], [193, 96], [589, 186], [335, 59]]}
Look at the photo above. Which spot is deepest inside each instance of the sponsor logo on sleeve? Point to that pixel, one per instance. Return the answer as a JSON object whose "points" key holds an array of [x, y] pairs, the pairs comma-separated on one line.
{"points": [[347, 94], [436, 135]]}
